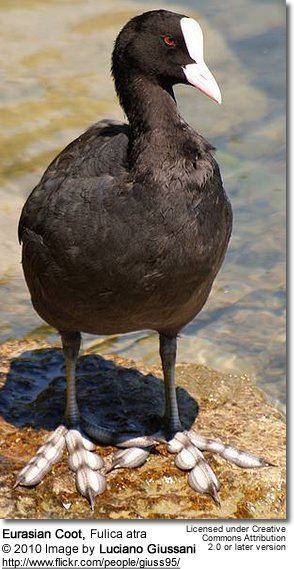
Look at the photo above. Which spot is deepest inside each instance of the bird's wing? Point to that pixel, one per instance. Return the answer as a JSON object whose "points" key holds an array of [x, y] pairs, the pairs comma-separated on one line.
{"points": [[99, 152]]}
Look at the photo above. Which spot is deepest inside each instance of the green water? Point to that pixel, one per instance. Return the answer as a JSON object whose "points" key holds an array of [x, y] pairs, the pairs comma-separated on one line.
{"points": [[55, 57]]}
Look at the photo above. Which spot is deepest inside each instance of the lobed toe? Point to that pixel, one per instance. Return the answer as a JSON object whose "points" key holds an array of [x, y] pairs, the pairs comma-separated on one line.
{"points": [[129, 458]]}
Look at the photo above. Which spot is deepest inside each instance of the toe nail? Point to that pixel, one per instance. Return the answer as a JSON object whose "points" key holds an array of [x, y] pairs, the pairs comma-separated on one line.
{"points": [[213, 493], [91, 499], [265, 462]]}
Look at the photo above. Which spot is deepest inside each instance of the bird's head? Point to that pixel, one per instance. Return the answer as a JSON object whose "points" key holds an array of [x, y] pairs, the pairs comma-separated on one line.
{"points": [[167, 48]]}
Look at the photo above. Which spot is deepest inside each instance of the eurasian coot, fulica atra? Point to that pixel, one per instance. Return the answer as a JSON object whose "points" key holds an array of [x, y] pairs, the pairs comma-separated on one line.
{"points": [[126, 231]]}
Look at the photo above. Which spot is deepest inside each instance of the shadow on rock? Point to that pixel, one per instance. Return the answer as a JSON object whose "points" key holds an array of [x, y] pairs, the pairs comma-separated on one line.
{"points": [[119, 398]]}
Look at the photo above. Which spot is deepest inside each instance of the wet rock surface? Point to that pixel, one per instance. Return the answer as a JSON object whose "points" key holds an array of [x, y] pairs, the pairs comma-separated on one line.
{"points": [[120, 394]]}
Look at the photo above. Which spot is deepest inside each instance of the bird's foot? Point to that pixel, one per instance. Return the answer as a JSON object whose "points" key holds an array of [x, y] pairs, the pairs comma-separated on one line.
{"points": [[188, 447], [86, 465], [81, 459]]}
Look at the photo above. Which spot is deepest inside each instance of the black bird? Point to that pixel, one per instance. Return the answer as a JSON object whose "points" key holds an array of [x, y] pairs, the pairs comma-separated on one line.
{"points": [[127, 230]]}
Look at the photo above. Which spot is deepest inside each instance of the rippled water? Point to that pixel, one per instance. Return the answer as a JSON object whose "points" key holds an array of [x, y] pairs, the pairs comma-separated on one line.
{"points": [[55, 60]]}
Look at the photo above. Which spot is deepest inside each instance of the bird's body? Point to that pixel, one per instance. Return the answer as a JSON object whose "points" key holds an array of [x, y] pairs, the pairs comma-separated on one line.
{"points": [[126, 231], [109, 249]]}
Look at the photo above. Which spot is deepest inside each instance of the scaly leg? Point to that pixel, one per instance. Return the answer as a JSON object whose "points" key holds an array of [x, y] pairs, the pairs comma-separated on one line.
{"points": [[168, 354]]}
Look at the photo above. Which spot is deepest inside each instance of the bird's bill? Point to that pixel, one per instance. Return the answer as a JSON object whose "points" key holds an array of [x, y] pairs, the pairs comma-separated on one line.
{"points": [[198, 75]]}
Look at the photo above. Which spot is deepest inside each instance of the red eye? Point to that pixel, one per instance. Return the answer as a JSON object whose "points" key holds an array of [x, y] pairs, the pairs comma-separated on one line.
{"points": [[168, 40]]}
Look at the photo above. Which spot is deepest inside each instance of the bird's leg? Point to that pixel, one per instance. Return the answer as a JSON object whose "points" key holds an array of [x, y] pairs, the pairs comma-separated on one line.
{"points": [[136, 451], [168, 353], [188, 445], [71, 346], [82, 461], [207, 481]]}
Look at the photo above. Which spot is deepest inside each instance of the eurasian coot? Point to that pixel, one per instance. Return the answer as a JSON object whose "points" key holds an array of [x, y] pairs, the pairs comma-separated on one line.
{"points": [[126, 231]]}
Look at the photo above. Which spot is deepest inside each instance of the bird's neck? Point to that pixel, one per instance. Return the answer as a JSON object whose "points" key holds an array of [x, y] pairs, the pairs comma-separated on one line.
{"points": [[148, 105], [158, 134]]}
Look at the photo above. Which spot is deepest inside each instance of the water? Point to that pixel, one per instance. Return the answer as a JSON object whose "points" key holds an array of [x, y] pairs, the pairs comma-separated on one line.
{"points": [[55, 60]]}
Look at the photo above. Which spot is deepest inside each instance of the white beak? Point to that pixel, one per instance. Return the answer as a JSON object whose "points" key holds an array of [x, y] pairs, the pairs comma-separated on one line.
{"points": [[199, 76], [198, 73]]}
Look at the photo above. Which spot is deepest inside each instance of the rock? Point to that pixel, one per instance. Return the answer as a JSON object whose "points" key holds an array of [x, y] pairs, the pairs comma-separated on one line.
{"points": [[116, 391]]}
